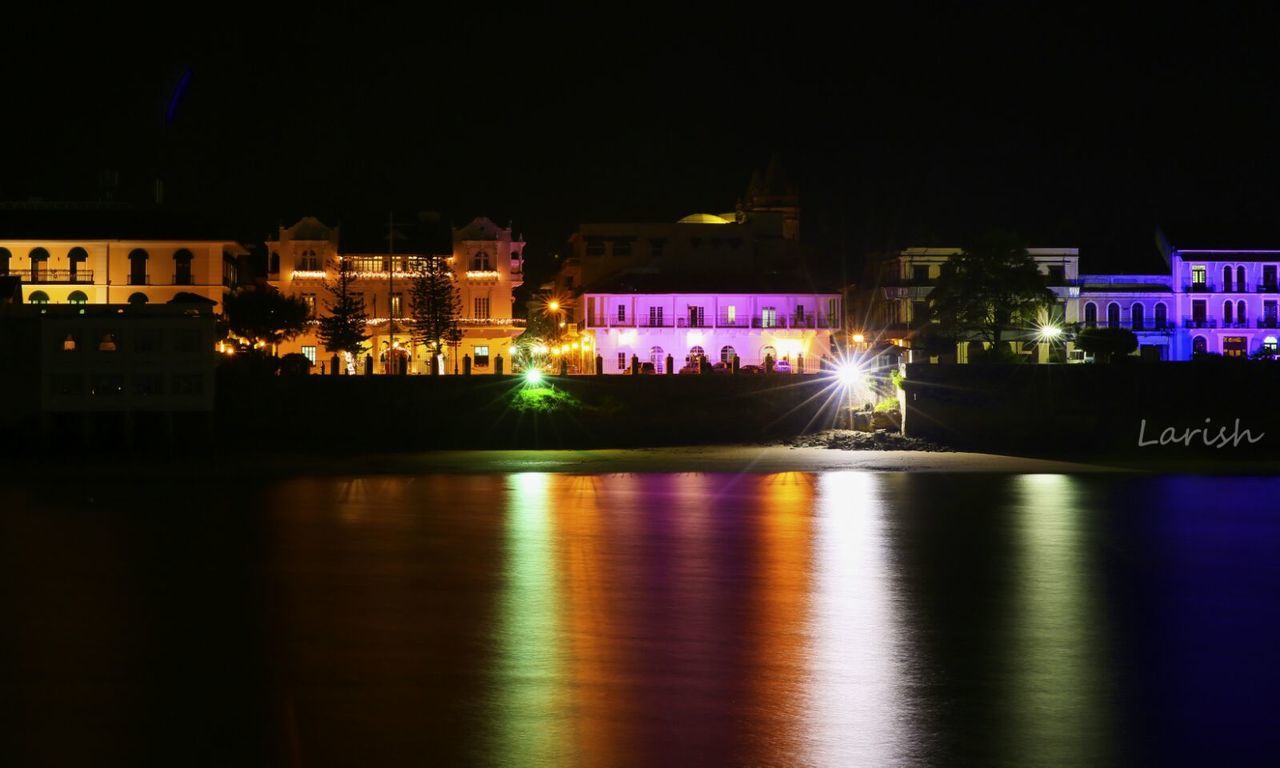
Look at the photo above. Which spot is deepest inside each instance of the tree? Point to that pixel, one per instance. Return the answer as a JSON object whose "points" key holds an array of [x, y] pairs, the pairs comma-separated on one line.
{"points": [[1107, 344], [988, 289], [436, 306], [345, 328], [265, 315]]}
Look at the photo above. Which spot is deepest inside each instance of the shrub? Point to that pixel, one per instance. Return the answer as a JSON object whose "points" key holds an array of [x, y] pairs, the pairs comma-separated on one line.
{"points": [[1108, 344], [295, 364]]}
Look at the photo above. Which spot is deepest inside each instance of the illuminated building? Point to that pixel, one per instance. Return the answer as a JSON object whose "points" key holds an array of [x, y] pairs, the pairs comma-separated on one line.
{"points": [[113, 255], [760, 235], [1214, 301], [653, 316], [487, 264]]}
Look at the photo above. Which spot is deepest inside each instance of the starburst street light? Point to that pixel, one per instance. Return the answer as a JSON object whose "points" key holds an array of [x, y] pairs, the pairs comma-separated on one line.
{"points": [[850, 374], [1048, 332], [533, 376]]}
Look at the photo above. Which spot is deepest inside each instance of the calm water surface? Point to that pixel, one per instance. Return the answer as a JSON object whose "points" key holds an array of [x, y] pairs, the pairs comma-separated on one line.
{"points": [[564, 620]]}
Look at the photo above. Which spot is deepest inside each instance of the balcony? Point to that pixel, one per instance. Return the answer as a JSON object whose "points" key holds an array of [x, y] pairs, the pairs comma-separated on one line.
{"points": [[1269, 322], [693, 322], [139, 279], [654, 321], [724, 321], [47, 276], [1204, 322], [1267, 288], [1198, 287]]}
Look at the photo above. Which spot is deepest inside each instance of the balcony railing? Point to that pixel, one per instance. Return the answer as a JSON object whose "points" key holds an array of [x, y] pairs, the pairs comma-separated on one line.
{"points": [[1269, 322], [1267, 288], [808, 322], [34, 276], [1198, 287], [1205, 322], [139, 279]]}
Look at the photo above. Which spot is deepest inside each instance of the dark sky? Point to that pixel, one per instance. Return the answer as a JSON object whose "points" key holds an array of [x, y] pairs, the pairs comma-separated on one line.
{"points": [[919, 125]]}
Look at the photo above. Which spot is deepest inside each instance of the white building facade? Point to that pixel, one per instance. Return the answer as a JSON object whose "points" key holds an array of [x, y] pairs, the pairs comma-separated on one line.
{"points": [[794, 328], [1224, 302]]}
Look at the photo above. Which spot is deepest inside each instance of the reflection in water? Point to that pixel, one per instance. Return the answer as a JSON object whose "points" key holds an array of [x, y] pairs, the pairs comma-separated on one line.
{"points": [[661, 619], [529, 667], [1059, 678], [857, 713]]}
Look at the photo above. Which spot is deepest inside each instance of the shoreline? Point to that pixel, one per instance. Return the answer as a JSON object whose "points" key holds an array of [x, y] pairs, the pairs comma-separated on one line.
{"points": [[740, 458]]}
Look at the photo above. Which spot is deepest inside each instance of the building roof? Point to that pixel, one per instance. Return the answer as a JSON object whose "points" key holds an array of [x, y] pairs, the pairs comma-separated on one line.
{"points": [[102, 221], [705, 218], [655, 282]]}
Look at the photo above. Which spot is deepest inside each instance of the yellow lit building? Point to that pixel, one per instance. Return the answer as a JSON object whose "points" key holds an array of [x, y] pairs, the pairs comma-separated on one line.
{"points": [[487, 264], [112, 256]]}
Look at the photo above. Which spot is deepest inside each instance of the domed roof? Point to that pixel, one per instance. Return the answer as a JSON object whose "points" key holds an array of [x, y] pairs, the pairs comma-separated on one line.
{"points": [[704, 218]]}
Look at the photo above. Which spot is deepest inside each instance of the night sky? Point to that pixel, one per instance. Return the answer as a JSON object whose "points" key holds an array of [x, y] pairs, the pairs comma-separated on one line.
{"points": [[1080, 127]]}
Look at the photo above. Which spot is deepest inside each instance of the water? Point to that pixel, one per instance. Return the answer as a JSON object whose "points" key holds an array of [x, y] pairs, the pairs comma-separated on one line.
{"points": [[856, 619]]}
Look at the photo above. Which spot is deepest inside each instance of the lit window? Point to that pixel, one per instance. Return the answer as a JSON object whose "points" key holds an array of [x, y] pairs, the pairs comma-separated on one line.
{"points": [[108, 343], [77, 297], [69, 343], [309, 352], [769, 317], [38, 297], [481, 357], [1199, 275], [310, 300], [1269, 345], [395, 304], [731, 314]]}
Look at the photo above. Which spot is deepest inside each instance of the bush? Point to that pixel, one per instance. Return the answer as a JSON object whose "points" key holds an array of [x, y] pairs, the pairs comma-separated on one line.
{"points": [[251, 364], [1001, 354], [887, 405], [294, 364], [1108, 344]]}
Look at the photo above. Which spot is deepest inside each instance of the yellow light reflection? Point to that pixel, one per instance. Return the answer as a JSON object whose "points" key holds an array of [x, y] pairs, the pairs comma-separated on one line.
{"points": [[529, 664]]}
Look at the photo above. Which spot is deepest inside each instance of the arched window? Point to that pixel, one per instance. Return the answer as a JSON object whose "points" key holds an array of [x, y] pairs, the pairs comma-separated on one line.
{"points": [[1226, 278], [108, 343], [182, 267], [1113, 315], [1137, 316], [5, 255], [75, 257], [138, 298], [1162, 315], [1241, 317], [1090, 314], [38, 297], [696, 353], [1227, 312], [480, 262], [768, 351], [1269, 345], [1199, 345], [77, 297], [657, 358], [727, 354], [138, 267], [39, 257], [1240, 285], [274, 265], [309, 262]]}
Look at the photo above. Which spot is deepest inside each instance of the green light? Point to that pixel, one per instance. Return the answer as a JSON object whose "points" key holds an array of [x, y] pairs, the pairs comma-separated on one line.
{"points": [[533, 376]]}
